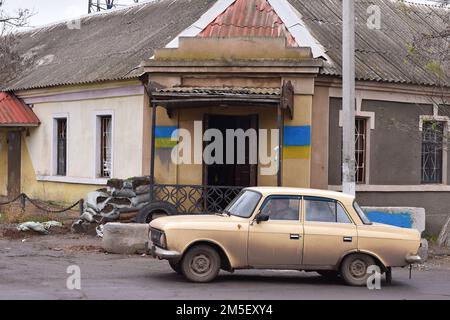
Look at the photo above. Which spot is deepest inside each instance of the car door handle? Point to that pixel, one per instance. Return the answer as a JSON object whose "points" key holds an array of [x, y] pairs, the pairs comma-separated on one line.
{"points": [[348, 239], [295, 236]]}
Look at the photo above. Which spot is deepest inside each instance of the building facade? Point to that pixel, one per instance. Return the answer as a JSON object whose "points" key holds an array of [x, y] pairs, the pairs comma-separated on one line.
{"points": [[260, 64]]}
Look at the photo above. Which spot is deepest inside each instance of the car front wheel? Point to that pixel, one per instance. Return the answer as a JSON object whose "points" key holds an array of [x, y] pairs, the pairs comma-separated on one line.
{"points": [[201, 264], [354, 269], [176, 267]]}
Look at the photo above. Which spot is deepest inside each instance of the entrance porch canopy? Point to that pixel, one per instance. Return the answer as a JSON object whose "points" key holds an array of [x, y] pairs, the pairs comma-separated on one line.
{"points": [[197, 97], [176, 98]]}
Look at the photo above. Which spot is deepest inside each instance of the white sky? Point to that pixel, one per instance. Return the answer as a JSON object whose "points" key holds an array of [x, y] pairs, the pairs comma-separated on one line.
{"points": [[47, 11]]}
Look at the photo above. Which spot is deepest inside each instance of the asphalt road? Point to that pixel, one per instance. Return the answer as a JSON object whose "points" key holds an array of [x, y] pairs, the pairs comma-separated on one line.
{"points": [[37, 269]]}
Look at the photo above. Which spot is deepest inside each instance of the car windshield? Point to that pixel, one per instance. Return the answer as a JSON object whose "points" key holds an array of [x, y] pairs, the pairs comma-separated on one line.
{"points": [[244, 204], [361, 213]]}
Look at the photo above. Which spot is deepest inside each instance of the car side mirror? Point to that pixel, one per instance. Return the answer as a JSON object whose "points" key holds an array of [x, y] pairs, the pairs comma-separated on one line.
{"points": [[262, 217]]}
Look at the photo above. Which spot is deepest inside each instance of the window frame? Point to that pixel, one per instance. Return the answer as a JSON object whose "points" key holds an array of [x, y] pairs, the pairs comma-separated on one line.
{"points": [[444, 125], [103, 147], [366, 161], [363, 179], [54, 150], [300, 211], [337, 202], [98, 143]]}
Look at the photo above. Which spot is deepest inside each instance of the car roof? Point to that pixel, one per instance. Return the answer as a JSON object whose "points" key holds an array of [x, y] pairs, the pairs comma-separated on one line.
{"points": [[303, 192]]}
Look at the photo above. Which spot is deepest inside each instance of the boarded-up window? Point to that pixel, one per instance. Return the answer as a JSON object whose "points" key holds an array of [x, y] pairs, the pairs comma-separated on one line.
{"points": [[432, 151], [105, 146], [61, 154]]}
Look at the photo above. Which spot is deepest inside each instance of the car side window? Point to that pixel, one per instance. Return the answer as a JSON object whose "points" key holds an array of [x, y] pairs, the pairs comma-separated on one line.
{"points": [[282, 208], [325, 210]]}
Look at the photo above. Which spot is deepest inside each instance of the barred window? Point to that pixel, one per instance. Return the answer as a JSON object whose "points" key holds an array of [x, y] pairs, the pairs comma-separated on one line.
{"points": [[61, 152], [432, 151], [360, 149], [105, 146]]}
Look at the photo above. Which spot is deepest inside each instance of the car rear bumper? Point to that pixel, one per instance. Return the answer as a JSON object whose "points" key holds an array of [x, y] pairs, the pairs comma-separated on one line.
{"points": [[160, 253], [413, 259]]}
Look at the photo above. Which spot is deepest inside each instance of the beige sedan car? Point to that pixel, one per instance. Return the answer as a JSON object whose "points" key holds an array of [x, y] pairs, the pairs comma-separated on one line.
{"points": [[284, 229]]}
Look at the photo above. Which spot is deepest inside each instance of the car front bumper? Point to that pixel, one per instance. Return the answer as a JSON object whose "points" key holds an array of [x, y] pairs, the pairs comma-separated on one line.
{"points": [[160, 253], [413, 259]]}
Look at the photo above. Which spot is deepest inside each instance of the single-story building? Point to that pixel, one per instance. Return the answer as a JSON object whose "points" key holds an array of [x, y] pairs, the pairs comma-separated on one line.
{"points": [[100, 91]]}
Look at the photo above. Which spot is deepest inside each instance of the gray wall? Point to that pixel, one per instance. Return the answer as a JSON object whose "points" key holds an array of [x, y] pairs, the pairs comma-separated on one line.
{"points": [[436, 204], [395, 158], [445, 111], [395, 144]]}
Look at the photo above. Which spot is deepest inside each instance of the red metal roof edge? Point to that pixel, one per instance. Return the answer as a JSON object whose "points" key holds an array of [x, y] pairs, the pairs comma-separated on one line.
{"points": [[13, 112]]}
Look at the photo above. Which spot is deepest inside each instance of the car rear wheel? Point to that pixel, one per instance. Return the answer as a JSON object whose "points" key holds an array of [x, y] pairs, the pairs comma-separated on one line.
{"points": [[201, 264], [176, 266], [354, 269]]}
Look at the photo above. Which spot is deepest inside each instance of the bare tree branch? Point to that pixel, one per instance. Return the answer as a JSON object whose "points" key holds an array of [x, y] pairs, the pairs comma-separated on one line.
{"points": [[10, 59]]}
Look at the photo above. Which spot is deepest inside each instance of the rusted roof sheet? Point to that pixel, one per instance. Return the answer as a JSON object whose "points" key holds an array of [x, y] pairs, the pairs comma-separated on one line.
{"points": [[221, 91], [14, 112], [108, 46], [244, 18], [381, 54]]}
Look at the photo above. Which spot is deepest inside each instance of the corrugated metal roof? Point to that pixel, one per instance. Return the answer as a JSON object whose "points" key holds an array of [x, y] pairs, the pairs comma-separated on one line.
{"points": [[14, 112], [244, 18], [222, 91], [108, 46], [381, 54]]}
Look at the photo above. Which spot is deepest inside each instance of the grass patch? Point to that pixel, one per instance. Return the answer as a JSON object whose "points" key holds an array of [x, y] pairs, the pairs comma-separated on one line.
{"points": [[431, 238]]}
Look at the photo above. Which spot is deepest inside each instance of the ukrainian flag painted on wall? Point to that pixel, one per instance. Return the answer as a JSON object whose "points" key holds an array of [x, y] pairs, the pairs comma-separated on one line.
{"points": [[163, 135], [297, 142]]}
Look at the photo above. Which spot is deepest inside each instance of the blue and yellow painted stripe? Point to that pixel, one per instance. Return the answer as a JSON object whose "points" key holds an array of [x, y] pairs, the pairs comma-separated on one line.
{"points": [[297, 142], [163, 137]]}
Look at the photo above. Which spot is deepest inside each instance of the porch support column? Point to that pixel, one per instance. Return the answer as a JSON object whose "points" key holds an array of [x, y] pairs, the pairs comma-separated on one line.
{"points": [[280, 145], [152, 151]]}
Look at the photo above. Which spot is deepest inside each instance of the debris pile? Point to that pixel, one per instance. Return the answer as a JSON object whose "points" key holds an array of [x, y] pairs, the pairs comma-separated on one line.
{"points": [[120, 201], [38, 226]]}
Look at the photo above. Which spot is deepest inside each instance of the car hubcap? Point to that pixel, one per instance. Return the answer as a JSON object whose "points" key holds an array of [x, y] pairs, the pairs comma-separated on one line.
{"points": [[200, 264], [358, 268]]}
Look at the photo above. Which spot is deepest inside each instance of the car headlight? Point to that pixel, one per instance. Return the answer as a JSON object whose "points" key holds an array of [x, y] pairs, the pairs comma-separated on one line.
{"points": [[163, 240], [158, 238]]}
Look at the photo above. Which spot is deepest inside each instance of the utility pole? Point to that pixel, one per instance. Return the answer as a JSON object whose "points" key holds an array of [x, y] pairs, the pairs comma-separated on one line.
{"points": [[348, 97]]}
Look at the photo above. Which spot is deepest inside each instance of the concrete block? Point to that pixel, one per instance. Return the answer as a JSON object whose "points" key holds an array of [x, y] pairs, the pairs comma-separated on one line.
{"points": [[123, 238], [413, 218]]}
